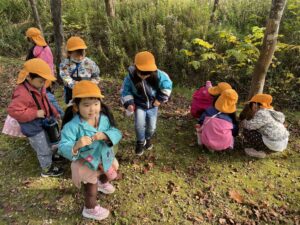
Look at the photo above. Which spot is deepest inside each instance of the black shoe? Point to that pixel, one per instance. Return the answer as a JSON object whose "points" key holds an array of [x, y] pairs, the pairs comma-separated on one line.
{"points": [[53, 171], [139, 147], [148, 145]]}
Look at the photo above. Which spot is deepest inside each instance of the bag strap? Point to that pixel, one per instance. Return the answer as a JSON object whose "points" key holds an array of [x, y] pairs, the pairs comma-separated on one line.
{"points": [[210, 119], [33, 96], [37, 102], [76, 69]]}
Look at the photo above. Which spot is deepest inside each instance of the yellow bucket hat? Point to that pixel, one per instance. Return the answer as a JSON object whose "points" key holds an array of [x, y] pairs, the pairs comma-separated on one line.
{"points": [[86, 89], [74, 43], [37, 66], [226, 103], [145, 61], [217, 90], [264, 99], [36, 35]]}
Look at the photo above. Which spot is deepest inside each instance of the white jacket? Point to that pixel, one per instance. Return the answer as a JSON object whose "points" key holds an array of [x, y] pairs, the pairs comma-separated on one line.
{"points": [[270, 124]]}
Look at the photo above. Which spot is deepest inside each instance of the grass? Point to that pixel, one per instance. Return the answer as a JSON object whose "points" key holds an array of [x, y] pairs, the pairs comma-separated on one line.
{"points": [[175, 183]]}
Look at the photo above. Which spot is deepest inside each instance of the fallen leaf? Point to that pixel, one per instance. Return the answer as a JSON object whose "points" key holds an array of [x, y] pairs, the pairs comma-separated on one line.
{"points": [[233, 194]]}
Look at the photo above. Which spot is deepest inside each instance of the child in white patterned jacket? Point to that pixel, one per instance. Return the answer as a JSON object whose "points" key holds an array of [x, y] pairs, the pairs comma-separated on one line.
{"points": [[263, 127]]}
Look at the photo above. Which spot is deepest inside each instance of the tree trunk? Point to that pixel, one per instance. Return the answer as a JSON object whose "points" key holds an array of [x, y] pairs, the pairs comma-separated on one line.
{"points": [[35, 14], [110, 8], [212, 16], [268, 48], [58, 33]]}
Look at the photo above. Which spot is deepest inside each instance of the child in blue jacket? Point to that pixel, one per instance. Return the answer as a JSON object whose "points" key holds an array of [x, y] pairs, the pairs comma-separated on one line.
{"points": [[143, 90], [87, 138]]}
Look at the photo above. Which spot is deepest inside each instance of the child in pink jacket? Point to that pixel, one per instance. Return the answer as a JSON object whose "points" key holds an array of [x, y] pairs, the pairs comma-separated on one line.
{"points": [[40, 49]]}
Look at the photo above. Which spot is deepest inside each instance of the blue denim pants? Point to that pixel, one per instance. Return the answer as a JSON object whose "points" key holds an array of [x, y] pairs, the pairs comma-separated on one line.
{"points": [[41, 146], [145, 123]]}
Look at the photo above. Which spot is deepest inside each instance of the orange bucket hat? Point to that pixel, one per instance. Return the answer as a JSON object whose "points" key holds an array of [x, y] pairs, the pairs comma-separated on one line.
{"points": [[36, 35], [74, 43], [86, 89], [145, 61], [217, 90], [37, 66], [226, 103], [264, 99]]}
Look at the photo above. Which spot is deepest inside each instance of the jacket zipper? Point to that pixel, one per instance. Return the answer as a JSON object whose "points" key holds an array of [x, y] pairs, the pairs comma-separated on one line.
{"points": [[148, 103]]}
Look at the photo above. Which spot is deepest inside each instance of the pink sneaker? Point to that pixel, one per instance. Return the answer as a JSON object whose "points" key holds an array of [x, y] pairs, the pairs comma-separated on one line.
{"points": [[106, 188], [97, 213]]}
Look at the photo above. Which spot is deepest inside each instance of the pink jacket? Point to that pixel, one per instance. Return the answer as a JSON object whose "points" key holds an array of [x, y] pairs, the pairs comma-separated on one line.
{"points": [[217, 134], [45, 54], [23, 107]]}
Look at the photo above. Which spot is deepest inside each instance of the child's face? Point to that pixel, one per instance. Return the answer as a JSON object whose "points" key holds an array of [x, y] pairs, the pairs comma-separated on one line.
{"points": [[37, 82], [255, 107], [77, 56], [89, 108]]}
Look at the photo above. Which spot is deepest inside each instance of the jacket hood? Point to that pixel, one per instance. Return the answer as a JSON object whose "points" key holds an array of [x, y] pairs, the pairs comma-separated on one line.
{"points": [[278, 116]]}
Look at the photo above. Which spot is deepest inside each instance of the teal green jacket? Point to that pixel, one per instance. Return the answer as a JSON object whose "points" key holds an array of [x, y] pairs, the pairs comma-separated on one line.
{"points": [[99, 152]]}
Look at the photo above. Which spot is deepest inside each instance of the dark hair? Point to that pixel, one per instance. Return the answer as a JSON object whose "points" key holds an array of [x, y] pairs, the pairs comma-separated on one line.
{"points": [[247, 113], [137, 81], [234, 118], [34, 75], [78, 51], [69, 113]]}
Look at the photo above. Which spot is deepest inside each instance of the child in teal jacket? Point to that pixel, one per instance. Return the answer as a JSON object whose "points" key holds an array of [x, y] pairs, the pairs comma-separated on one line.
{"points": [[87, 138]]}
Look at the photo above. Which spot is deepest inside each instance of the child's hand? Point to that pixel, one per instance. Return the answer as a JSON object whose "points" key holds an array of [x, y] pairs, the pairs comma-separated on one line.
{"points": [[130, 108], [82, 142], [99, 136], [40, 114], [156, 103]]}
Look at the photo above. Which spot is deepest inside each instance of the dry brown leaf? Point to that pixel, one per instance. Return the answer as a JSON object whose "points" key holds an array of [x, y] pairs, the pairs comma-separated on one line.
{"points": [[236, 196]]}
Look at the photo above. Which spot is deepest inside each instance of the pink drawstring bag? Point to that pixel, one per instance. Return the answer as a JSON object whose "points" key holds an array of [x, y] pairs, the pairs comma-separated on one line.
{"points": [[11, 127]]}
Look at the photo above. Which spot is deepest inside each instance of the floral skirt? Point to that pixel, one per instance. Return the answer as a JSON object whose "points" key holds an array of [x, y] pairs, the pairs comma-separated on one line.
{"points": [[82, 173]]}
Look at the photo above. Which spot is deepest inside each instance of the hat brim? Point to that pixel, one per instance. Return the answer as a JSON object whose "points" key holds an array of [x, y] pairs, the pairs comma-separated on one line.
{"points": [[231, 109], [49, 77], [23, 75], [88, 96], [263, 105], [77, 48], [39, 40], [146, 67]]}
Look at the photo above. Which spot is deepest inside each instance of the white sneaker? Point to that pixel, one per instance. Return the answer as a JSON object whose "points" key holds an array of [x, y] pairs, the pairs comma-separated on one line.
{"points": [[106, 188], [97, 213], [254, 153]]}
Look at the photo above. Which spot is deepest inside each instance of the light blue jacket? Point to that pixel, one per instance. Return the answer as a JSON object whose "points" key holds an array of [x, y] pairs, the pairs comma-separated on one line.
{"points": [[99, 152], [130, 95]]}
